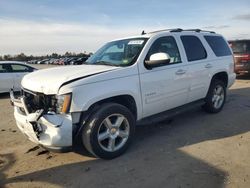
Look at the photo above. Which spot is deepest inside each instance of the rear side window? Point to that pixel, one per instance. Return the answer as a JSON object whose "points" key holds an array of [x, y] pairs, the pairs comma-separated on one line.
{"points": [[193, 48], [218, 45]]}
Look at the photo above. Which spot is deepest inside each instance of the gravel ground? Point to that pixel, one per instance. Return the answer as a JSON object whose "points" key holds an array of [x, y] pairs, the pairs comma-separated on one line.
{"points": [[196, 149]]}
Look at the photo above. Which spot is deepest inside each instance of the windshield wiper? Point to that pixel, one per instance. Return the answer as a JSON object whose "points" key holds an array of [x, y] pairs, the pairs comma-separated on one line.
{"points": [[105, 63]]}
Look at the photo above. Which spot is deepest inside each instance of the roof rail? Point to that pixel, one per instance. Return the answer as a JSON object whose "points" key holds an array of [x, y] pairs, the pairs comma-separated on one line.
{"points": [[177, 30], [195, 30], [151, 32], [160, 30]]}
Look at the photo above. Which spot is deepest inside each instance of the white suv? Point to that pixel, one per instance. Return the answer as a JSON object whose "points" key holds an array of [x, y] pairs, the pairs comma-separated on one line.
{"points": [[126, 82]]}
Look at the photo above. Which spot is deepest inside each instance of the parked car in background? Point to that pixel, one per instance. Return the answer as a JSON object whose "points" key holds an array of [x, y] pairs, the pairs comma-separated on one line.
{"points": [[42, 61], [78, 61], [61, 61], [32, 61], [241, 50], [11, 74], [67, 60]]}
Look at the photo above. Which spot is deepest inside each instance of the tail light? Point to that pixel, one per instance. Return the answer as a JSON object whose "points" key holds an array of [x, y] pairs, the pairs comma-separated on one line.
{"points": [[246, 57], [243, 58]]}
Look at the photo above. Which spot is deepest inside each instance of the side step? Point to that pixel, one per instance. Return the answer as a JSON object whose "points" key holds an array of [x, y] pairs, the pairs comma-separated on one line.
{"points": [[170, 113]]}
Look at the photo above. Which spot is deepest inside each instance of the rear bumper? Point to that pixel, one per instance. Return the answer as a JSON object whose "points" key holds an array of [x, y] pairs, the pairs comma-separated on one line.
{"points": [[52, 131]]}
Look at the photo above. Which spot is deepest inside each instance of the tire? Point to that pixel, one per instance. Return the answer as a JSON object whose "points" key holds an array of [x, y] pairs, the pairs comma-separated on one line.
{"points": [[216, 97], [109, 131]]}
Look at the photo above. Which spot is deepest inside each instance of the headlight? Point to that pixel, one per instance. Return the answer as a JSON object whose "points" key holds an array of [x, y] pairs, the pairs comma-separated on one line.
{"points": [[63, 103]]}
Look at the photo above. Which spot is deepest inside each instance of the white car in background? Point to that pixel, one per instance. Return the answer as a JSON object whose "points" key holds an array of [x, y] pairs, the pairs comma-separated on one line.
{"points": [[11, 74]]}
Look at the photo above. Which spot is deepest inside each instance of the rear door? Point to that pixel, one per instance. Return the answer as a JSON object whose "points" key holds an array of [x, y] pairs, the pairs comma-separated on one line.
{"points": [[6, 78], [198, 64]]}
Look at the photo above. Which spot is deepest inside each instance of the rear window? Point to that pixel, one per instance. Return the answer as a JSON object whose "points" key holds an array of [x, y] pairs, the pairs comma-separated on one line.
{"points": [[4, 68], [218, 45], [193, 48], [240, 47]]}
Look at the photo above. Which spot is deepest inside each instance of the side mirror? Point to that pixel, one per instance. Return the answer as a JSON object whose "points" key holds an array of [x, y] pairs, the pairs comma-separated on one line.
{"points": [[157, 59]]}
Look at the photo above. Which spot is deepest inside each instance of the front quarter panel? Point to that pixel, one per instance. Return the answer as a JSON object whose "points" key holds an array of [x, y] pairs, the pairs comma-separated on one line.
{"points": [[86, 95], [93, 89]]}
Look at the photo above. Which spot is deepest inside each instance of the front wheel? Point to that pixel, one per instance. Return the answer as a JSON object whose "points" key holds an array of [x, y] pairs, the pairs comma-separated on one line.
{"points": [[109, 131], [216, 97]]}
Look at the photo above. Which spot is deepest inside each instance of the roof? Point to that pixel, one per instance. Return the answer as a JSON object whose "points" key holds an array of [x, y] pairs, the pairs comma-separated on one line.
{"points": [[16, 62]]}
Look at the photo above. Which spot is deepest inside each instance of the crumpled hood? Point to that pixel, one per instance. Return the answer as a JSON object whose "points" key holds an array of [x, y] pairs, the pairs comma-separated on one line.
{"points": [[48, 81]]}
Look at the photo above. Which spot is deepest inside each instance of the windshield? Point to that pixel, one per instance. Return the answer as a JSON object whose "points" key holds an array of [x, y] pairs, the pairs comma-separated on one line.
{"points": [[118, 53], [240, 46]]}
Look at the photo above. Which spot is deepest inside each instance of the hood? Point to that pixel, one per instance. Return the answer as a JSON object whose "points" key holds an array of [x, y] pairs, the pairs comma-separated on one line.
{"points": [[48, 81]]}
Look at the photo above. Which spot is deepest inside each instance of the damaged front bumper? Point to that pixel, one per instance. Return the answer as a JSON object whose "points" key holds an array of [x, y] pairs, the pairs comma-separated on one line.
{"points": [[53, 131]]}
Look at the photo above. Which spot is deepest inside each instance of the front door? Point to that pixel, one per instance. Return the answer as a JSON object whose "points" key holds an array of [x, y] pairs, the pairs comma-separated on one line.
{"points": [[164, 87]]}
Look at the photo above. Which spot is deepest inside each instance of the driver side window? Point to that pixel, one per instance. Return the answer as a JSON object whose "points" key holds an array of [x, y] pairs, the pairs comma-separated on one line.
{"points": [[165, 45]]}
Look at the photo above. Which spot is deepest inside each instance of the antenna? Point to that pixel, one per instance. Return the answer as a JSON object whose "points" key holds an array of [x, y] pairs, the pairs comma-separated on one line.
{"points": [[143, 32]]}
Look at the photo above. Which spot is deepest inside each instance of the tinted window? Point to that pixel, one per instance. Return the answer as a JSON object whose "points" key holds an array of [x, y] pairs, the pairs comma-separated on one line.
{"points": [[20, 68], [4, 68], [165, 45], [218, 45], [193, 48], [240, 47]]}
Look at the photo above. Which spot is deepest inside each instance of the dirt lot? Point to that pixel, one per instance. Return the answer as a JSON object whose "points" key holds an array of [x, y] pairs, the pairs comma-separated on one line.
{"points": [[194, 150]]}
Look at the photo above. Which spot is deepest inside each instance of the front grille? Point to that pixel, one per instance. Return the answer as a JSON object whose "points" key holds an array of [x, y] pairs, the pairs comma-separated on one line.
{"points": [[37, 101]]}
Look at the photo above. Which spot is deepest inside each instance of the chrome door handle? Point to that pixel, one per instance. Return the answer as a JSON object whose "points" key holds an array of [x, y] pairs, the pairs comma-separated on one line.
{"points": [[180, 72], [208, 66]]}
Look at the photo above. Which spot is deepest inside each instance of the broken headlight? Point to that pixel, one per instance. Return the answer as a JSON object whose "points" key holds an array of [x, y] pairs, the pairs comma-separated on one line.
{"points": [[63, 103]]}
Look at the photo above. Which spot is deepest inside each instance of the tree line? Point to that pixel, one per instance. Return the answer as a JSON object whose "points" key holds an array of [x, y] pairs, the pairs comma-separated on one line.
{"points": [[23, 57]]}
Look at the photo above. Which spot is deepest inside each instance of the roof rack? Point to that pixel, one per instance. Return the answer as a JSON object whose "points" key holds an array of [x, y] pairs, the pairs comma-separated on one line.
{"points": [[177, 30], [195, 30], [162, 30]]}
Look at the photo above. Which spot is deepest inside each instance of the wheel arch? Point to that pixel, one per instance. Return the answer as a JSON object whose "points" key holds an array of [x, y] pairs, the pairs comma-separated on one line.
{"points": [[223, 76], [126, 100]]}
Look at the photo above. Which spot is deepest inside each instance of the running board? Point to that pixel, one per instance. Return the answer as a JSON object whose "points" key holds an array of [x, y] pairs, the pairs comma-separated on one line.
{"points": [[163, 116]]}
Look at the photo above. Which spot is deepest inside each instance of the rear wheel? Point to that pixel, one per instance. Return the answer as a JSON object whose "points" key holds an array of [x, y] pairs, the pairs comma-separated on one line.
{"points": [[216, 97], [109, 131]]}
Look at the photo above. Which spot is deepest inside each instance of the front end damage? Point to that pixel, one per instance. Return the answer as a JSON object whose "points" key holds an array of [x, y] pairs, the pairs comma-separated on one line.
{"points": [[36, 117]]}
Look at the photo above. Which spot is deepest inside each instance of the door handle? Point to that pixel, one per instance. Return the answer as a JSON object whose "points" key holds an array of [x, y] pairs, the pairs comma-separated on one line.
{"points": [[208, 66], [180, 72]]}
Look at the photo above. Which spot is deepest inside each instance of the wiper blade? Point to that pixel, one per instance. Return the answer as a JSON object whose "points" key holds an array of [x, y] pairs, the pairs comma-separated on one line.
{"points": [[105, 63]]}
